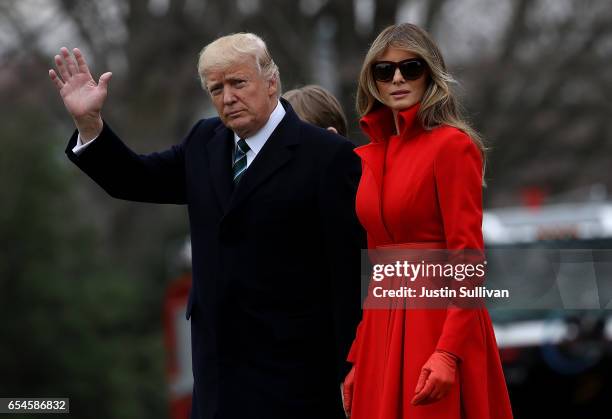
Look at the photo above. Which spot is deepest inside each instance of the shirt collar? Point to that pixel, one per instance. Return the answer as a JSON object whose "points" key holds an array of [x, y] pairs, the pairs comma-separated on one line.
{"points": [[257, 141]]}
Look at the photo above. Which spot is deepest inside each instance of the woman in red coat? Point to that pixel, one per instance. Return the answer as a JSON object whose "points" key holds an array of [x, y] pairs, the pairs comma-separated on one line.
{"points": [[421, 188]]}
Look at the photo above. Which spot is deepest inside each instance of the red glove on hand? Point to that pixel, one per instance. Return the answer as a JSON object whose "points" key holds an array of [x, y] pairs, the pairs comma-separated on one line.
{"points": [[347, 392], [436, 379]]}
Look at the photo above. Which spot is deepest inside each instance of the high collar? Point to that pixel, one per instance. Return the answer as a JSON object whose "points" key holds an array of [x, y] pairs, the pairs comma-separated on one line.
{"points": [[379, 125]]}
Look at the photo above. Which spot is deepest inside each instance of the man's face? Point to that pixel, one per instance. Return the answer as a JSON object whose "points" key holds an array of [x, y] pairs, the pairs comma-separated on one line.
{"points": [[243, 98]]}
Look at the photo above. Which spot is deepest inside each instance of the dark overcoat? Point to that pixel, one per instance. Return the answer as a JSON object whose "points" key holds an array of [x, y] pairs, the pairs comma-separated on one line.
{"points": [[275, 298]]}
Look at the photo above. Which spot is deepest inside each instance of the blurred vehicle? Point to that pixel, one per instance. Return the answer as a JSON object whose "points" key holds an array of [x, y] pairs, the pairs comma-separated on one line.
{"points": [[557, 361]]}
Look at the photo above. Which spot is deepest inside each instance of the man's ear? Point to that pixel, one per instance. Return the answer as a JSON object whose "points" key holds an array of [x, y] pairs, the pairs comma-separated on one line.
{"points": [[332, 129], [272, 87]]}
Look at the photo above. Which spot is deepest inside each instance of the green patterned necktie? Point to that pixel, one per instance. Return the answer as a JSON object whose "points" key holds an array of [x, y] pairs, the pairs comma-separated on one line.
{"points": [[240, 160]]}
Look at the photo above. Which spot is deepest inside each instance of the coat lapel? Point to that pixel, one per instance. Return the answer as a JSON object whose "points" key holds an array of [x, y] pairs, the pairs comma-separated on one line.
{"points": [[220, 164], [373, 157], [276, 152], [378, 125]]}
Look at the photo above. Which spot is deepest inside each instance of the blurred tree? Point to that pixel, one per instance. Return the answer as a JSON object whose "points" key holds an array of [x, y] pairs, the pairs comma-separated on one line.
{"points": [[541, 96], [537, 90], [73, 326]]}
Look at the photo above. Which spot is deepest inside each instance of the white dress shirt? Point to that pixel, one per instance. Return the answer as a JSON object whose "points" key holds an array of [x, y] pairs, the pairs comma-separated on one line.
{"points": [[255, 142]]}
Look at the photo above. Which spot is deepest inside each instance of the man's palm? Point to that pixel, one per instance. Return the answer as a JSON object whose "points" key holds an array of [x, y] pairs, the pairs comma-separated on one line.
{"points": [[82, 96]]}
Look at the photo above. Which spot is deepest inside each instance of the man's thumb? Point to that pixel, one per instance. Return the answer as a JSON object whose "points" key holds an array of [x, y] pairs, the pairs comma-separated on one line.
{"points": [[104, 79]]}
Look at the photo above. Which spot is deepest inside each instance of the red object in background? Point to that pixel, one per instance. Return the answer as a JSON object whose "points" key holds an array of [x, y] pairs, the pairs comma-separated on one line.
{"points": [[177, 340], [533, 196], [509, 355]]}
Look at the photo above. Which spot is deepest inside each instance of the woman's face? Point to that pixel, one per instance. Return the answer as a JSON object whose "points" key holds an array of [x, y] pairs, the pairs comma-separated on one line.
{"points": [[399, 93]]}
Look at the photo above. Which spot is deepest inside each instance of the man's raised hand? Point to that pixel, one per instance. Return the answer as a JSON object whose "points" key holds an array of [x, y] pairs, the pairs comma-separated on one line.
{"points": [[82, 96]]}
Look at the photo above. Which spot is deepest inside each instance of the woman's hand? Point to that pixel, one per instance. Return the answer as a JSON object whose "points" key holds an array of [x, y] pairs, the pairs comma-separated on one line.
{"points": [[436, 379], [347, 392]]}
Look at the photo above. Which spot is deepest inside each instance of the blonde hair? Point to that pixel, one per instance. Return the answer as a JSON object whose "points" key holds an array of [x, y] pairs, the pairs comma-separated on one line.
{"points": [[316, 105], [236, 48], [439, 105]]}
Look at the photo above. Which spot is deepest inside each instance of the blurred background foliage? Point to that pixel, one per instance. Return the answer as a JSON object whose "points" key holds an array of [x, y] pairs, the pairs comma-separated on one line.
{"points": [[82, 276]]}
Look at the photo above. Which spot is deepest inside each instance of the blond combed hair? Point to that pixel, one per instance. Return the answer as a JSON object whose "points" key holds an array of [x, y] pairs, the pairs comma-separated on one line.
{"points": [[235, 49], [439, 106]]}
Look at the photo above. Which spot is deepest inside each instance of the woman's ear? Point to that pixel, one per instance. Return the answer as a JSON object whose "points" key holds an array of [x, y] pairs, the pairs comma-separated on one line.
{"points": [[332, 129]]}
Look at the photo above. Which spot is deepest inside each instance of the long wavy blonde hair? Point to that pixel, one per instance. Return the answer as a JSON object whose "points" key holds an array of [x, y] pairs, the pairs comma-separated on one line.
{"points": [[439, 106]]}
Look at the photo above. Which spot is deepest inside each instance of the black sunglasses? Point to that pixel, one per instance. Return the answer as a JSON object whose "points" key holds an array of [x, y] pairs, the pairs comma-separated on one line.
{"points": [[411, 69]]}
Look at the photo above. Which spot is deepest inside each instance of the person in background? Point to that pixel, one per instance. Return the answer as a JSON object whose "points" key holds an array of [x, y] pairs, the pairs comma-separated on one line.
{"points": [[421, 188], [319, 107]]}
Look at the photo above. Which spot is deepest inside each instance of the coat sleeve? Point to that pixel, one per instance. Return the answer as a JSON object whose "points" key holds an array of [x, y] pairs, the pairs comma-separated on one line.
{"points": [[123, 174], [343, 240], [458, 177]]}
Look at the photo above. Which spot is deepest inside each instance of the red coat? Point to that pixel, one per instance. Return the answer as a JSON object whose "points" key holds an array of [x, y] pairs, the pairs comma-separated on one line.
{"points": [[423, 187]]}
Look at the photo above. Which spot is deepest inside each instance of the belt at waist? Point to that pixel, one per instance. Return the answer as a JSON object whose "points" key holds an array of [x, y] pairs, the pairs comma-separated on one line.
{"points": [[409, 251], [413, 245]]}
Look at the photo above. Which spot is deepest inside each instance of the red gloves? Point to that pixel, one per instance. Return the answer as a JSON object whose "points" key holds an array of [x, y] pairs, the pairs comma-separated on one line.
{"points": [[435, 382], [436, 379], [347, 392]]}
